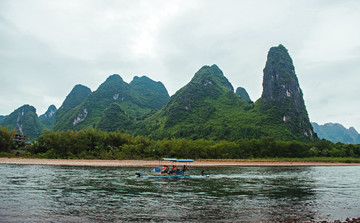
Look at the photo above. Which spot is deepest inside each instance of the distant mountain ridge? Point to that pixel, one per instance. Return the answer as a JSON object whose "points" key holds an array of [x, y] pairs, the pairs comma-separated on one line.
{"points": [[207, 107], [335, 132]]}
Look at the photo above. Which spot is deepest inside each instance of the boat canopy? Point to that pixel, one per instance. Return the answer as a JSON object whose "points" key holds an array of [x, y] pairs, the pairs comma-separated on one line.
{"points": [[178, 160], [169, 159], [184, 160]]}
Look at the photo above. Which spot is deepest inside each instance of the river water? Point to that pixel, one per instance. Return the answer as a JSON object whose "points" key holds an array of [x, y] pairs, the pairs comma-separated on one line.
{"points": [[35, 193]]}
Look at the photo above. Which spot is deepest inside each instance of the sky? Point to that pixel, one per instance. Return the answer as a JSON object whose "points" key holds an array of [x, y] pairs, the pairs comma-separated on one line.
{"points": [[47, 47]]}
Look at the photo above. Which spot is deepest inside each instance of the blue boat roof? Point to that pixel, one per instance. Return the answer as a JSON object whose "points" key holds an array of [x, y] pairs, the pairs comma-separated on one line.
{"points": [[169, 159], [184, 160], [178, 160]]}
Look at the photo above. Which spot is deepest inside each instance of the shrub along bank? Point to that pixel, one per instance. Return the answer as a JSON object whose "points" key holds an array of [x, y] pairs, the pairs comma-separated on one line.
{"points": [[97, 144]]}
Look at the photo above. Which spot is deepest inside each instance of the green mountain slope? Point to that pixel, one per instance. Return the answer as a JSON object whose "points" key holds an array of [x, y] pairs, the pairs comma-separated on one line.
{"points": [[117, 104], [25, 121]]}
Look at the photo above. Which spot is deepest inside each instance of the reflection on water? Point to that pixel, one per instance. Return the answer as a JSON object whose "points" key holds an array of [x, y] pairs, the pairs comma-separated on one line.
{"points": [[100, 194]]}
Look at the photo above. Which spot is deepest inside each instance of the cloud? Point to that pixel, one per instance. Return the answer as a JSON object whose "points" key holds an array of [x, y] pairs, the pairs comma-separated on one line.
{"points": [[46, 47]]}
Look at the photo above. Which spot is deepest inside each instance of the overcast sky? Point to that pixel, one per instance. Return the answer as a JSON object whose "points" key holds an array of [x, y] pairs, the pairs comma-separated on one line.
{"points": [[47, 47]]}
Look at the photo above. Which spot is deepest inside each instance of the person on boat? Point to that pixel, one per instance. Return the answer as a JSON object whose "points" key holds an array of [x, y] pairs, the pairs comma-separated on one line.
{"points": [[184, 168], [165, 169], [173, 169]]}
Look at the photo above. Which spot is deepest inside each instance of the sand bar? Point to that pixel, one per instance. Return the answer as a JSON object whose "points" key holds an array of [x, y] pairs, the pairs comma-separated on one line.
{"points": [[151, 163]]}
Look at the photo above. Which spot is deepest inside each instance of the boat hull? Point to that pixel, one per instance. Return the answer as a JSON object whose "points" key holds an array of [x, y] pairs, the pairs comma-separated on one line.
{"points": [[170, 176]]}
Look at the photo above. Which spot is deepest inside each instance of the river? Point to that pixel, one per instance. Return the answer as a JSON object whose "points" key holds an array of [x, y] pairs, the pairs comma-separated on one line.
{"points": [[36, 193]]}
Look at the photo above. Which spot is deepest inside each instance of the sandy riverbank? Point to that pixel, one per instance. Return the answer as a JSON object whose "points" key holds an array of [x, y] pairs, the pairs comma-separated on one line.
{"points": [[151, 163]]}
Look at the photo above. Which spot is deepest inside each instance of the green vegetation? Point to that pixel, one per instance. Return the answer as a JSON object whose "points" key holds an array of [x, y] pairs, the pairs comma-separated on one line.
{"points": [[97, 144], [6, 139]]}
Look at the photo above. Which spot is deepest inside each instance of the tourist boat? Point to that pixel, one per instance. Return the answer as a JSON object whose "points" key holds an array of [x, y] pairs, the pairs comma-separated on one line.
{"points": [[184, 173]]}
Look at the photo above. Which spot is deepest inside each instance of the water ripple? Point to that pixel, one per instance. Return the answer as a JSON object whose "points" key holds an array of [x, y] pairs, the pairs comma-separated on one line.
{"points": [[109, 194]]}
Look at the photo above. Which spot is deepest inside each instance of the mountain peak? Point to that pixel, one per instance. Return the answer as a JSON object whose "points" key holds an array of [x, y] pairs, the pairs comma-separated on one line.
{"points": [[144, 80], [75, 97], [49, 113], [25, 120], [48, 119], [216, 69], [242, 93], [148, 90], [137, 78], [26, 108], [281, 89], [114, 78], [212, 76]]}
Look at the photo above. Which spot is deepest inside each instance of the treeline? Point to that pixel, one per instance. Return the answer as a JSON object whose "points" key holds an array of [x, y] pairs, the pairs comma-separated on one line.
{"points": [[97, 144]]}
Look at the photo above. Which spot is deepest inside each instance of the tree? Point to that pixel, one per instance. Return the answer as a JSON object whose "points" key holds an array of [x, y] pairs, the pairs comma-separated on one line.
{"points": [[6, 139]]}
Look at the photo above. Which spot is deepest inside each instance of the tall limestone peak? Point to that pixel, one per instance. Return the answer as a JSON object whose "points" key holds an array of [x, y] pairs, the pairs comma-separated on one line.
{"points": [[25, 121], [281, 90], [280, 81], [242, 93], [48, 119]]}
